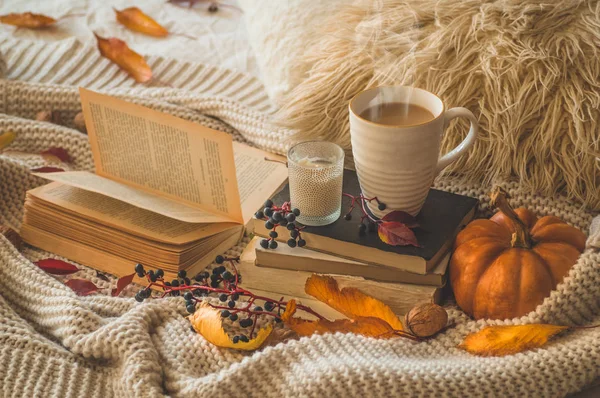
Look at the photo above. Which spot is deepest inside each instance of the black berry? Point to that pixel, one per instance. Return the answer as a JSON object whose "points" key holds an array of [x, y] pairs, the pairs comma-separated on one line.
{"points": [[182, 274], [301, 243], [233, 317], [381, 206], [246, 322], [235, 296], [219, 259], [235, 339], [244, 339], [152, 276], [273, 234], [225, 313], [175, 283], [160, 273], [258, 308], [296, 212], [291, 242], [291, 217], [273, 244], [348, 217], [294, 233], [214, 284], [269, 306], [187, 281], [268, 211], [269, 224], [291, 226], [139, 298], [277, 216], [197, 292], [264, 244], [188, 296], [283, 222], [223, 297], [231, 304], [139, 268], [269, 203], [259, 214], [362, 229], [220, 269], [228, 276], [191, 308]]}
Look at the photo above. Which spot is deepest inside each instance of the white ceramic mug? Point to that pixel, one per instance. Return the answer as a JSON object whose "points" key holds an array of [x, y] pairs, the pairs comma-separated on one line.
{"points": [[397, 164]]}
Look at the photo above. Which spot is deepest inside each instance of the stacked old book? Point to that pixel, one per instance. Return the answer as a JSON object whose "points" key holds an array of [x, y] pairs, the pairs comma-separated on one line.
{"points": [[401, 276]]}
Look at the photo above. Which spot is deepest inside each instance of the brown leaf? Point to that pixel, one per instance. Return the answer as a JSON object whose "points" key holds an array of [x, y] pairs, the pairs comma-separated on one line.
{"points": [[12, 236], [508, 340], [122, 283], [118, 52], [81, 286], [396, 234], [6, 139], [59, 153], [349, 301], [56, 267], [207, 321], [133, 18], [402, 217], [47, 169], [366, 326], [27, 20], [280, 335]]}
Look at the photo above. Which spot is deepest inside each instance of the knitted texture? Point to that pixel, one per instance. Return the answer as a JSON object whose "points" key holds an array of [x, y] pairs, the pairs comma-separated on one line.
{"points": [[56, 344]]}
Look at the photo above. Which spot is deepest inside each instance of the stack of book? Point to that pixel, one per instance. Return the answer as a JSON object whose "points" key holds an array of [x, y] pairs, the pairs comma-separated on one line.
{"points": [[400, 276]]}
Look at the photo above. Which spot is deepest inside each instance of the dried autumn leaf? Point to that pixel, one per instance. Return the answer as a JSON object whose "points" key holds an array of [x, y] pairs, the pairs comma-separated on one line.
{"points": [[508, 340], [350, 301], [133, 18], [6, 139], [396, 234], [207, 321], [59, 153], [81, 286], [366, 326], [402, 217], [122, 283], [47, 169], [56, 267], [118, 52], [27, 20]]}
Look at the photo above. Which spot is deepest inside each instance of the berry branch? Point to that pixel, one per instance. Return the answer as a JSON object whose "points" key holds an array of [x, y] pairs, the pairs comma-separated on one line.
{"points": [[283, 216], [223, 283], [361, 200]]}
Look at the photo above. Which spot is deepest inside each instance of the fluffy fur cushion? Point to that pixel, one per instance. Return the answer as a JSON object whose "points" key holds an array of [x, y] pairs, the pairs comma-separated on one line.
{"points": [[529, 70]]}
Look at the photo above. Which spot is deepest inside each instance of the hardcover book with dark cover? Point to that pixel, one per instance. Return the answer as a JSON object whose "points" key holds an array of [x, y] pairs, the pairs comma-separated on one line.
{"points": [[442, 216]]}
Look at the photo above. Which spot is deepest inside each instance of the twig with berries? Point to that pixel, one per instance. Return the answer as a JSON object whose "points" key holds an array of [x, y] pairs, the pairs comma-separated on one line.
{"points": [[221, 283], [280, 216], [371, 221]]}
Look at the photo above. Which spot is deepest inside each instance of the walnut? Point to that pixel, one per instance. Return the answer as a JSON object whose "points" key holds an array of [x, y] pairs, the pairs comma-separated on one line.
{"points": [[425, 320]]}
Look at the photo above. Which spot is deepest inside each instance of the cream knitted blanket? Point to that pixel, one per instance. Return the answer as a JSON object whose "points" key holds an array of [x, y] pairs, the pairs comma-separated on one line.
{"points": [[54, 343]]}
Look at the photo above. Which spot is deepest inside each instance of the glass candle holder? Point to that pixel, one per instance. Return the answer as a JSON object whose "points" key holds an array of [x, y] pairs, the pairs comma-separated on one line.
{"points": [[316, 171]]}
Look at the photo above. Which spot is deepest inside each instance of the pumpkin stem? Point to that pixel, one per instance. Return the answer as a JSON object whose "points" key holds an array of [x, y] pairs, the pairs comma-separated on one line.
{"points": [[521, 237]]}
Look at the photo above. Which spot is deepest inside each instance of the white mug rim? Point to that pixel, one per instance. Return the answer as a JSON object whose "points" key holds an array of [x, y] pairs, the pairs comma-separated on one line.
{"points": [[395, 126]]}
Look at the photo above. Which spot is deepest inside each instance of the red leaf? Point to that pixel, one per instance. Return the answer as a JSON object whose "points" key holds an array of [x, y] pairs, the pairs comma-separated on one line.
{"points": [[81, 286], [396, 234], [57, 267], [60, 153], [47, 169], [402, 217], [122, 283]]}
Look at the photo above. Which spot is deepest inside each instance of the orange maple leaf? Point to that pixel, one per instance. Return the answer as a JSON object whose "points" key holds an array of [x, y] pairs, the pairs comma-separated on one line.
{"points": [[27, 20], [366, 326], [208, 322], [508, 340], [350, 301], [133, 18], [118, 52]]}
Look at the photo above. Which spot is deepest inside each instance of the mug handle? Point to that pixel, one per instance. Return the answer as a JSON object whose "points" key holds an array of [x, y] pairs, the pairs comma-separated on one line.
{"points": [[467, 143]]}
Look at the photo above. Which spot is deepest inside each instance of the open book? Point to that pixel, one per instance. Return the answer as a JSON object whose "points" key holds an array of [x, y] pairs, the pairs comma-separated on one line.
{"points": [[166, 192]]}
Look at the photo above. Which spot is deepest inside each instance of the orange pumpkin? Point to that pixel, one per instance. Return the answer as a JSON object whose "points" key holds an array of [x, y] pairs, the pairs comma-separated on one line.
{"points": [[506, 266]]}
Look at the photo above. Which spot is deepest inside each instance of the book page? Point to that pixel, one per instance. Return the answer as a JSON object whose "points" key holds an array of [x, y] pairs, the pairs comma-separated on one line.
{"points": [[258, 179], [162, 154], [123, 216], [136, 197]]}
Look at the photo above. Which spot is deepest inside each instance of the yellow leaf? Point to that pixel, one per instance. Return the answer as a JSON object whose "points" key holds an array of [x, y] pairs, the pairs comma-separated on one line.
{"points": [[6, 139], [350, 301], [27, 20], [366, 326], [207, 321], [508, 340], [118, 52], [133, 18]]}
